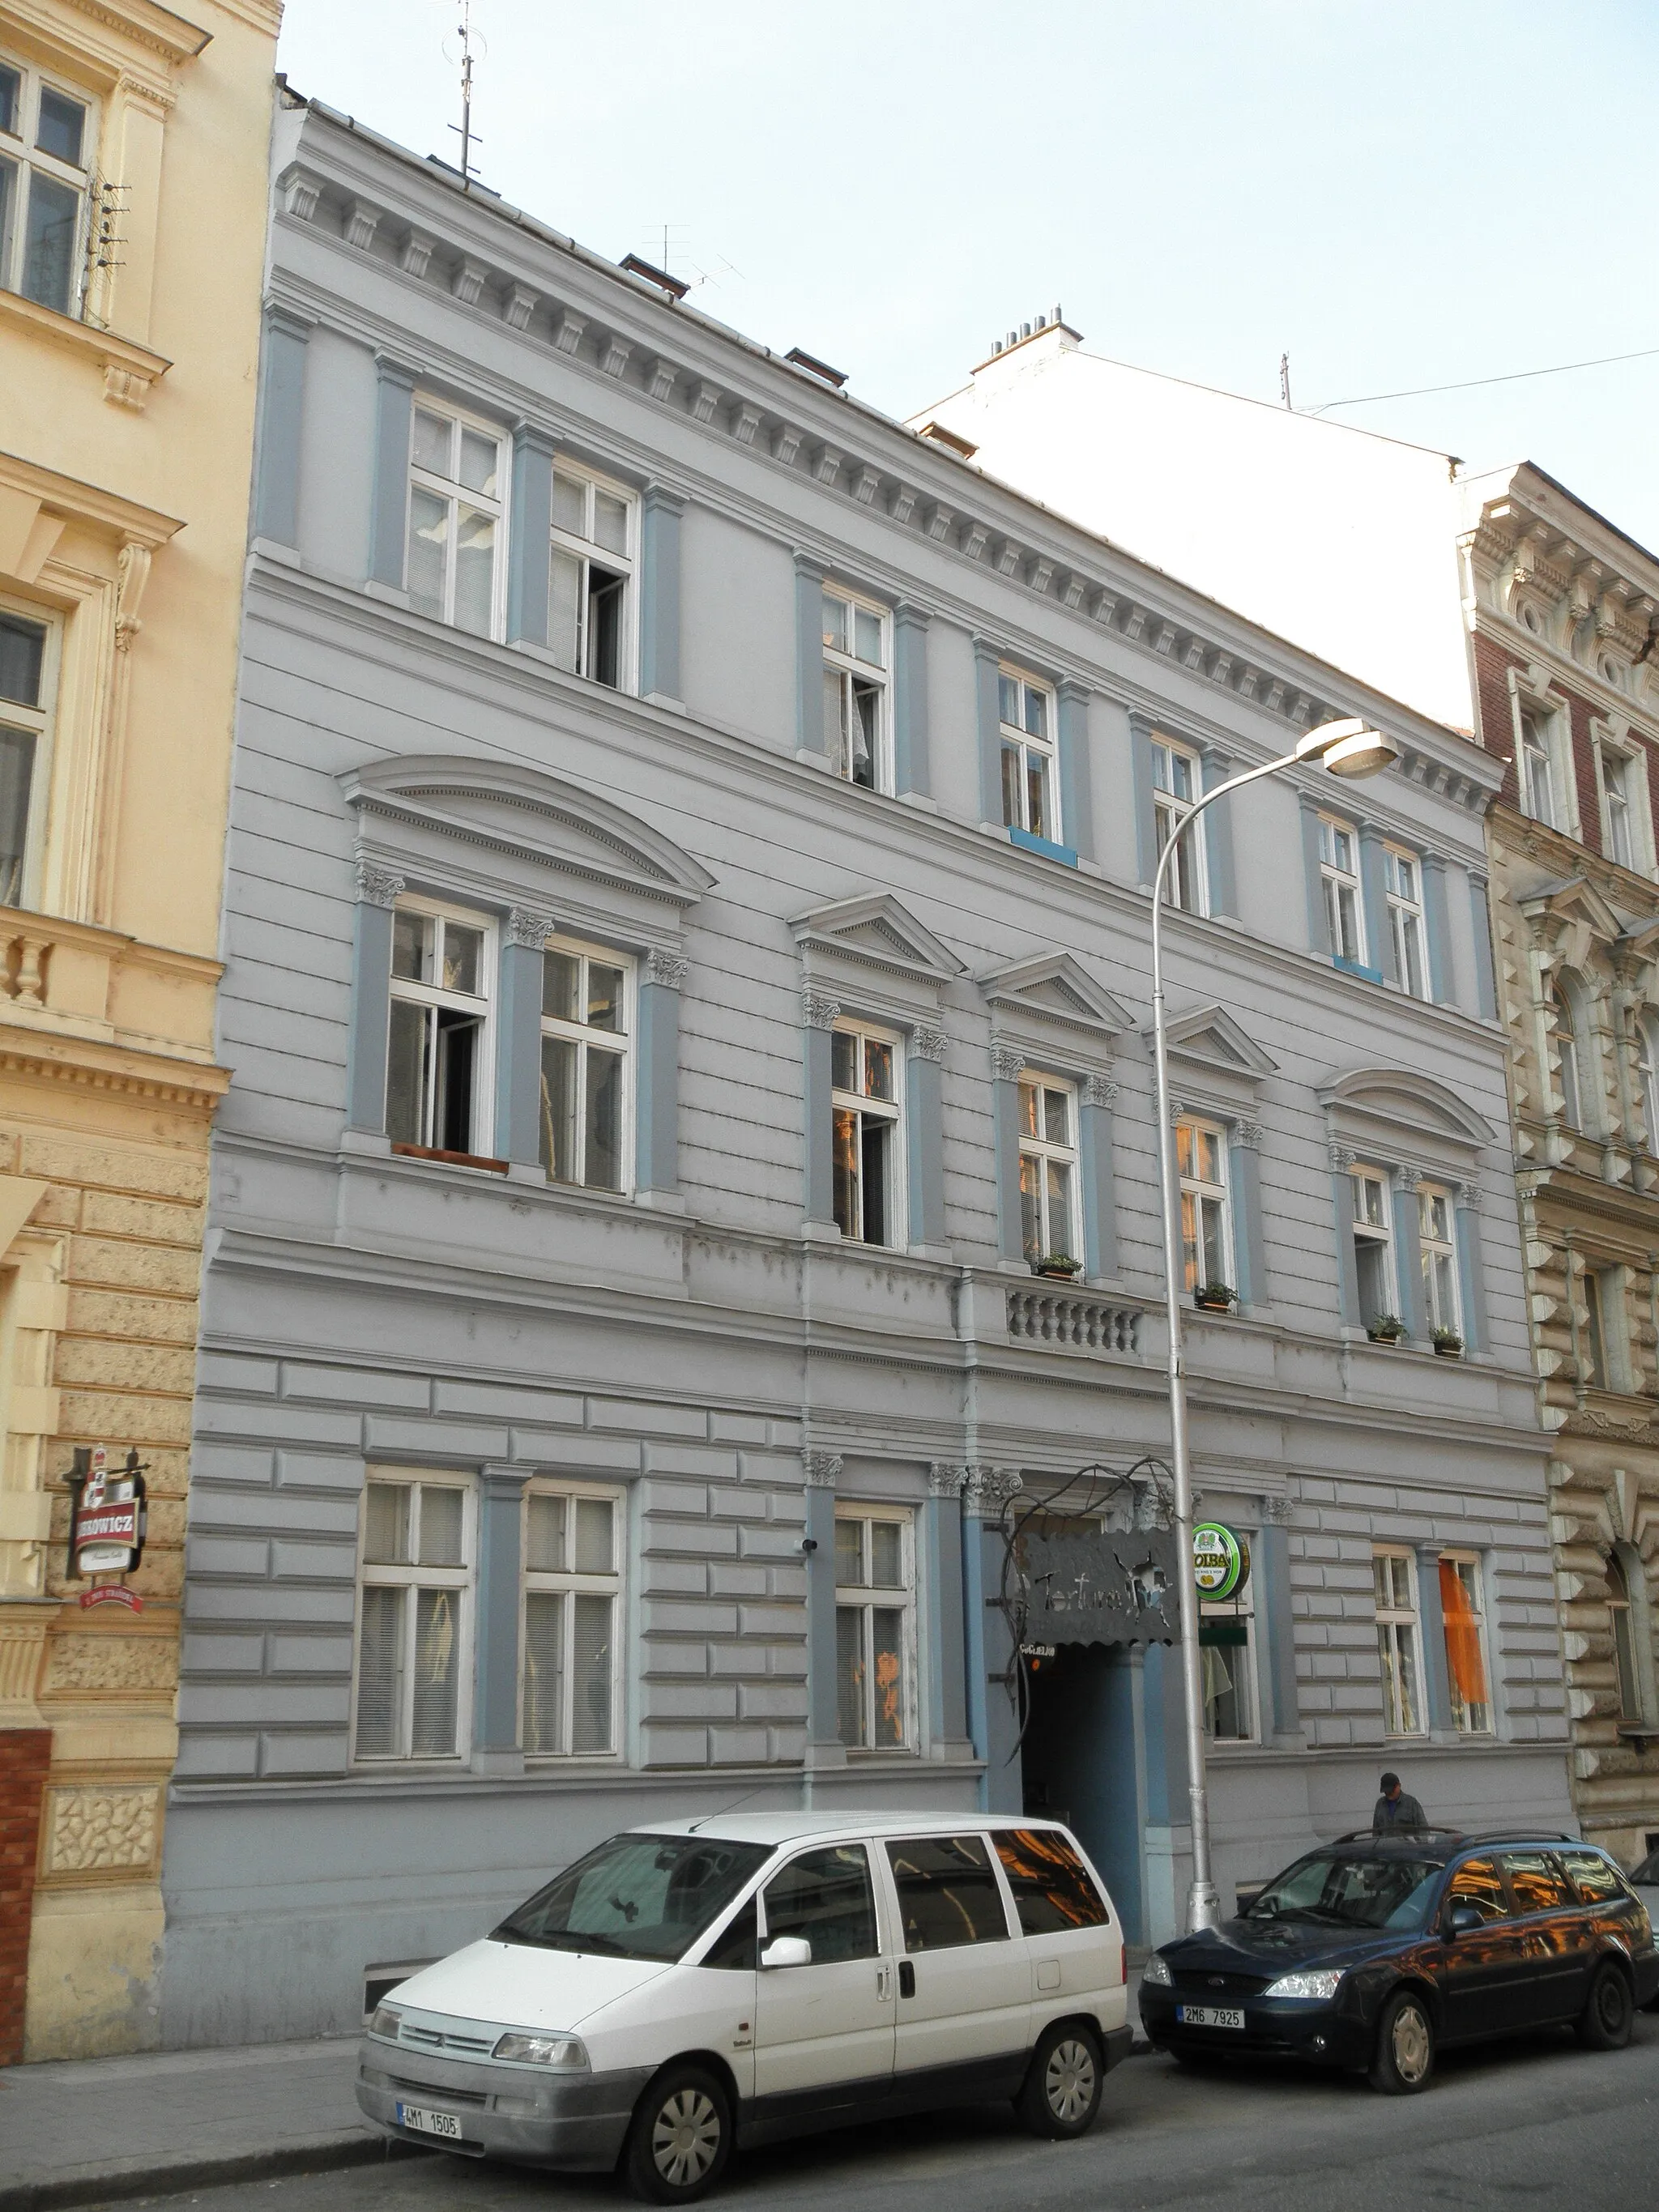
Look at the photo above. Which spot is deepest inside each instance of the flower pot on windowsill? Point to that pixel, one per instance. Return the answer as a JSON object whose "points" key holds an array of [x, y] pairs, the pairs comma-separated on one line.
{"points": [[1448, 1345], [1213, 1298], [1388, 1330], [1059, 1266]]}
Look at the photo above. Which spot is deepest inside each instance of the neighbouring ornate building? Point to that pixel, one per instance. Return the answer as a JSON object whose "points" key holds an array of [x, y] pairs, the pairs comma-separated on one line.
{"points": [[1562, 614], [132, 164]]}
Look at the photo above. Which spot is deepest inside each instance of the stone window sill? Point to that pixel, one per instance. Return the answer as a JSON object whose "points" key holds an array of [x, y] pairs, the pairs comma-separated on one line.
{"points": [[129, 370]]}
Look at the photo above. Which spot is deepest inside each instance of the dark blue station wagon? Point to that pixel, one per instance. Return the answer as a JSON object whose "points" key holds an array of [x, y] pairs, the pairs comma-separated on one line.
{"points": [[1372, 1953]]}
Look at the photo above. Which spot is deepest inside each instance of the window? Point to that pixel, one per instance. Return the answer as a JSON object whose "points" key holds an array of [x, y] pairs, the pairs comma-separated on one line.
{"points": [[1647, 1070], [1478, 1884], [1205, 1227], [1048, 1170], [947, 1893], [46, 142], [590, 597], [864, 1075], [1626, 1679], [1026, 711], [1338, 877], [1537, 773], [416, 1627], [855, 694], [1053, 1893], [22, 736], [1464, 1616], [1536, 1883], [455, 521], [1596, 1879], [1395, 1575], [1226, 1640], [438, 1066], [1617, 829], [875, 1601], [1402, 876], [586, 1093], [1566, 1045], [826, 1896], [572, 1593], [1436, 1234], [1177, 786], [1604, 1334], [1373, 1245]]}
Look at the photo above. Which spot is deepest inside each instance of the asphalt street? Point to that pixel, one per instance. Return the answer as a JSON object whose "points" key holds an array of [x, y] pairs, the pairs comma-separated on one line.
{"points": [[1539, 2123]]}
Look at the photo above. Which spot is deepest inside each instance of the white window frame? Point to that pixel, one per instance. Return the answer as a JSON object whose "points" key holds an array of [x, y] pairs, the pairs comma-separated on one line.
{"points": [[1196, 1192], [890, 1111], [1612, 773], [1187, 881], [843, 668], [1438, 1311], [1243, 1607], [867, 1599], [1399, 1628], [1605, 1326], [435, 996], [1340, 889], [591, 554], [1535, 761], [39, 722], [1626, 1663], [1647, 1073], [1028, 749], [457, 495], [19, 148], [1472, 1562], [620, 1041], [1409, 927], [1373, 1227], [567, 1584], [462, 1580], [1043, 1152]]}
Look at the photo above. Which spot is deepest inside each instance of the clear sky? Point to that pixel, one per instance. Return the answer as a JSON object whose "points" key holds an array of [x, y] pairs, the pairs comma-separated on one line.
{"points": [[1397, 195]]}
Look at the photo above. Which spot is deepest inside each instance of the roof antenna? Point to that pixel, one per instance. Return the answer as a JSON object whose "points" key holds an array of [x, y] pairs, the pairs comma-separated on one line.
{"points": [[1285, 378], [461, 56]]}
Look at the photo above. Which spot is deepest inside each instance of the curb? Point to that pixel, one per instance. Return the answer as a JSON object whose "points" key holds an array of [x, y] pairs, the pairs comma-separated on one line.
{"points": [[159, 2178]]}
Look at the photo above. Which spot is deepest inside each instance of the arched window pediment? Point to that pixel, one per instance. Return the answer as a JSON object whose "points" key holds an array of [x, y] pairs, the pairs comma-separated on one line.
{"points": [[1401, 1100]]}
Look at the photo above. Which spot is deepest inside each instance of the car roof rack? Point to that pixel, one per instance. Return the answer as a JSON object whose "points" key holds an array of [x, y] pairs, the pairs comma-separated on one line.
{"points": [[1398, 1835], [1524, 1836]]}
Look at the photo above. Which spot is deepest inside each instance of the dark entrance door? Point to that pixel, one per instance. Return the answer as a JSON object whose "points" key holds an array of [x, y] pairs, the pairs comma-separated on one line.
{"points": [[1081, 1761]]}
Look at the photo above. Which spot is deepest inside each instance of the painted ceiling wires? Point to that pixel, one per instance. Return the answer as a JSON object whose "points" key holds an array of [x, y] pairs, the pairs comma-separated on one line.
{"points": [[1476, 383], [1141, 1496]]}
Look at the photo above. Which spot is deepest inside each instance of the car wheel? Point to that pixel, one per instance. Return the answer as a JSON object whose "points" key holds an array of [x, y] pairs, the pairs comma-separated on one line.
{"points": [[1405, 2046], [680, 2138], [1605, 2021], [1061, 2093]]}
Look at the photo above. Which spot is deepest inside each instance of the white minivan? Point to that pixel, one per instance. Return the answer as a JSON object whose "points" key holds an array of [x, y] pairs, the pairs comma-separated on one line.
{"points": [[700, 1984]]}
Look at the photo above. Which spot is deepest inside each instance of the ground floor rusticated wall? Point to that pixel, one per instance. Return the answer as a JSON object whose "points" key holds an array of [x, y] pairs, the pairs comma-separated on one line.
{"points": [[103, 1174]]}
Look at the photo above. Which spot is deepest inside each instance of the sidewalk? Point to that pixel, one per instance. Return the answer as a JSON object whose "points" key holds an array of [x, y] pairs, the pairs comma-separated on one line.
{"points": [[86, 2132]]}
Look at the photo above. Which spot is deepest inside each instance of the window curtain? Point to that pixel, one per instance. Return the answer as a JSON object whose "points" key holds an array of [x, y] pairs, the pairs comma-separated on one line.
{"points": [[1463, 1659]]}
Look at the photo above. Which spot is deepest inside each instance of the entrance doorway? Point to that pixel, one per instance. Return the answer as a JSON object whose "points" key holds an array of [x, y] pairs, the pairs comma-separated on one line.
{"points": [[1084, 1759]]}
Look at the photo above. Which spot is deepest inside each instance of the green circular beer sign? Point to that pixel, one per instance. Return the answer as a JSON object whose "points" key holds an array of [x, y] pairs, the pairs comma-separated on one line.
{"points": [[1221, 1561]]}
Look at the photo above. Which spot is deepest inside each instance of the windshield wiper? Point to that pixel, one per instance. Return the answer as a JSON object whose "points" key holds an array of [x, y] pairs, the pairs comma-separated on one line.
{"points": [[562, 1938]]}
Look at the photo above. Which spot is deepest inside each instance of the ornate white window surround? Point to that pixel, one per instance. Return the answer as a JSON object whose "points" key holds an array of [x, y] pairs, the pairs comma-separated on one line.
{"points": [[1535, 698]]}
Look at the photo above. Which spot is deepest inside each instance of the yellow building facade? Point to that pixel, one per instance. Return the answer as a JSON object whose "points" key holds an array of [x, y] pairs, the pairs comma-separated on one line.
{"points": [[134, 142]]}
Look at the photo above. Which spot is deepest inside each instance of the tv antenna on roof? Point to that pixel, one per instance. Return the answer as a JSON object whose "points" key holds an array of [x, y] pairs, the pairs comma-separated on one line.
{"points": [[460, 51]]}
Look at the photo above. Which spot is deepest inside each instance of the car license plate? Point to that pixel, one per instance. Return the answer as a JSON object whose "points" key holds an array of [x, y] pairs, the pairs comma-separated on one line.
{"points": [[425, 2123], [1209, 2016]]}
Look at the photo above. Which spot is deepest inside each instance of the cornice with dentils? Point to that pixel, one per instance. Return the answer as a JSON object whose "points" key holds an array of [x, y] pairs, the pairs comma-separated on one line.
{"points": [[601, 322]]}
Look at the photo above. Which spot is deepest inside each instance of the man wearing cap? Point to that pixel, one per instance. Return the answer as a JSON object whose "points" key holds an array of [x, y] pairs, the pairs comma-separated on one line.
{"points": [[1395, 1813]]}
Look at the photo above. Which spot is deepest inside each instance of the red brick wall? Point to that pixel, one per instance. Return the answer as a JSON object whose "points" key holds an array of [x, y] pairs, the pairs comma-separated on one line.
{"points": [[1497, 723], [25, 1754]]}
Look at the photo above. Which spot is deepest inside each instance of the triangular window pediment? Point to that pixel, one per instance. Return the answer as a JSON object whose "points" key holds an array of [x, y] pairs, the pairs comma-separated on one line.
{"points": [[1213, 1038], [1055, 988], [877, 931]]}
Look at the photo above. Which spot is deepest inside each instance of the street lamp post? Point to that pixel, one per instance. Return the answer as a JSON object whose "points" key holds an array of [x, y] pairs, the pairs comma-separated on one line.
{"points": [[1346, 748]]}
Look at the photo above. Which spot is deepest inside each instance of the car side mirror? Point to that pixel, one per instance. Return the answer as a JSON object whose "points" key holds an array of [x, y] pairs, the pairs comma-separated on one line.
{"points": [[1464, 1920], [787, 1951]]}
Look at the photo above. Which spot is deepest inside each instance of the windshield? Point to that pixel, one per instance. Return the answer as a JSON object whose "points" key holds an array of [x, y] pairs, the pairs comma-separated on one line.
{"points": [[636, 1896], [1332, 1890]]}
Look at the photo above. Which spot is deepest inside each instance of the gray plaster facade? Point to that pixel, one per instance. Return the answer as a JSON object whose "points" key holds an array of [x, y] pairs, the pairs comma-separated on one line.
{"points": [[705, 1346]]}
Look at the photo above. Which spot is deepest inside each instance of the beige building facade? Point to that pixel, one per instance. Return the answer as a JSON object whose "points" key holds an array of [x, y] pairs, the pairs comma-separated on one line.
{"points": [[133, 150]]}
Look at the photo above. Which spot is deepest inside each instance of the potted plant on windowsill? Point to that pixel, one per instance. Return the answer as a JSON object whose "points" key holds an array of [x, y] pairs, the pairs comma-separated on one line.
{"points": [[1448, 1344], [1387, 1328], [1214, 1297], [1061, 1264]]}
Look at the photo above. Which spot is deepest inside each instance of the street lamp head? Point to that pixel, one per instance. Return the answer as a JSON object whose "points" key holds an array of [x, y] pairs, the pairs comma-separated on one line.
{"points": [[1348, 747]]}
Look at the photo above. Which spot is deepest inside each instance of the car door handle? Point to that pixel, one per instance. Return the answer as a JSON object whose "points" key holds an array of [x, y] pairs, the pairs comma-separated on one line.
{"points": [[907, 1978], [883, 1981]]}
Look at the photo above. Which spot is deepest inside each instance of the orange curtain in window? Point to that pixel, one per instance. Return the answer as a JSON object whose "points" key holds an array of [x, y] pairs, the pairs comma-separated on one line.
{"points": [[1468, 1669]]}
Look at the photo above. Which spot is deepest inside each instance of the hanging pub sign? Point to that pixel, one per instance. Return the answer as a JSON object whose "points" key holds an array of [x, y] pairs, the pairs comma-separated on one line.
{"points": [[1221, 1562], [1106, 1586], [108, 1517]]}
